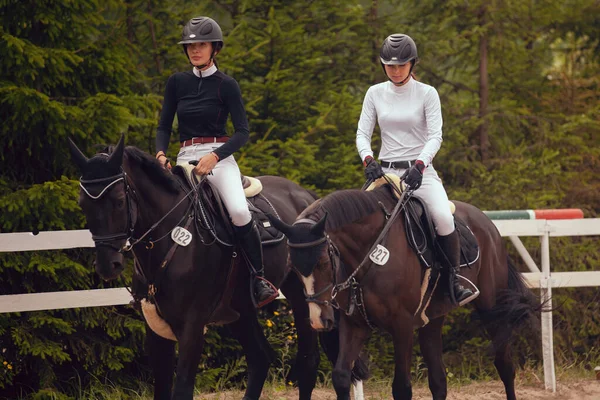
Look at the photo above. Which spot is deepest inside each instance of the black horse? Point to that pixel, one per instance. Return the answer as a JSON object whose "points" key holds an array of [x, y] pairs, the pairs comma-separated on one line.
{"points": [[334, 236], [132, 203]]}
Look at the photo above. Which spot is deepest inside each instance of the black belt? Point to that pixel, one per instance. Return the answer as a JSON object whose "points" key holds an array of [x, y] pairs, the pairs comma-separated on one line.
{"points": [[397, 164]]}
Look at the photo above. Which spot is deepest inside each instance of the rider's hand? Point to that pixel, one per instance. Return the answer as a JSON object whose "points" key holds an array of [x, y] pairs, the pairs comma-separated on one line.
{"points": [[373, 170], [163, 160], [413, 176], [206, 164]]}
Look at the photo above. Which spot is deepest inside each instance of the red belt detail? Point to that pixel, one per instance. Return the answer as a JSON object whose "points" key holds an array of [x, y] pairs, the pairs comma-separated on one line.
{"points": [[203, 140]]}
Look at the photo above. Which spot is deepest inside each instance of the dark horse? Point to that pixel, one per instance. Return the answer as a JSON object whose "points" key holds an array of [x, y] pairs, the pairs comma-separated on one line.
{"points": [[332, 237], [132, 203]]}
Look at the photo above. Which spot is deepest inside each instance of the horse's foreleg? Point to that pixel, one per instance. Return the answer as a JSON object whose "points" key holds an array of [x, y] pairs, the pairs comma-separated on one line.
{"points": [[402, 335], [352, 340], [257, 349], [191, 344], [161, 354], [307, 357], [430, 340]]}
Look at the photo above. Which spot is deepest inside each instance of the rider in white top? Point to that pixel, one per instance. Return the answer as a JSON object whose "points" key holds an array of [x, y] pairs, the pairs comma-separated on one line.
{"points": [[410, 119]]}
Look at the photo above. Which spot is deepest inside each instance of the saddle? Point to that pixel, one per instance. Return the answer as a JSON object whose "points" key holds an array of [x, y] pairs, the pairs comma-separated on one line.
{"points": [[420, 229], [421, 235], [213, 210]]}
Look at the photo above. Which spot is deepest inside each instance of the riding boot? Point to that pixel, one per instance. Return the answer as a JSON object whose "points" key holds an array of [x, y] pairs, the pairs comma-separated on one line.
{"points": [[249, 238], [450, 245]]}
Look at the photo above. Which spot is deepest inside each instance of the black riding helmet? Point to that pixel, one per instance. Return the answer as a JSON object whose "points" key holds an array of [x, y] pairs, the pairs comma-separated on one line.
{"points": [[202, 29], [398, 49]]}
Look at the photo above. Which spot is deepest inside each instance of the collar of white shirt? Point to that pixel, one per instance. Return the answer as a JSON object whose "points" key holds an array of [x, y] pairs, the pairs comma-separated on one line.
{"points": [[403, 88], [207, 72]]}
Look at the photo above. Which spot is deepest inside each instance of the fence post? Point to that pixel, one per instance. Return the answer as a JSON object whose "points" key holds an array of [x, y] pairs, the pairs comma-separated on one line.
{"points": [[546, 295]]}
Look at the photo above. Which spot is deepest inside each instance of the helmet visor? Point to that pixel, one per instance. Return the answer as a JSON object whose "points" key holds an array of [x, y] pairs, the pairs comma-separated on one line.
{"points": [[191, 40], [394, 61]]}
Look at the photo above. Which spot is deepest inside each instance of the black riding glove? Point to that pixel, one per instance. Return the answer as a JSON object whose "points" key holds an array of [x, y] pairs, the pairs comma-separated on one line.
{"points": [[373, 170], [413, 177]]}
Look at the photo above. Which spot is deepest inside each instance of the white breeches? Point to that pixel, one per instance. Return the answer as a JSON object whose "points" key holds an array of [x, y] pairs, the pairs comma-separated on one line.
{"points": [[225, 177], [434, 196]]}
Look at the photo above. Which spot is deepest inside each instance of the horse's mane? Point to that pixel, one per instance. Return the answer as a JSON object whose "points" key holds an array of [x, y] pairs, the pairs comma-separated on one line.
{"points": [[155, 171], [346, 206]]}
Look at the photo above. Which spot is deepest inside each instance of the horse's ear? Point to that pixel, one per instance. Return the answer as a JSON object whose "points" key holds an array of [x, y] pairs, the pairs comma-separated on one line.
{"points": [[280, 225], [116, 158], [77, 156], [319, 227]]}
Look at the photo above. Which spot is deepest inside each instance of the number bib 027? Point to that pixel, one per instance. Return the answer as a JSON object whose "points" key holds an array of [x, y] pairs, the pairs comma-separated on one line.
{"points": [[181, 236], [380, 255]]}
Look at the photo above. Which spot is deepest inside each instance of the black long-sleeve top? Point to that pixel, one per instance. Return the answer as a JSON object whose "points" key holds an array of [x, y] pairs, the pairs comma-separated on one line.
{"points": [[203, 106]]}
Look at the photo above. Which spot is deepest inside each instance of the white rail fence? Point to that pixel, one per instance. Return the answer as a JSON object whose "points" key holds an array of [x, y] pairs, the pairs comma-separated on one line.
{"points": [[538, 276]]}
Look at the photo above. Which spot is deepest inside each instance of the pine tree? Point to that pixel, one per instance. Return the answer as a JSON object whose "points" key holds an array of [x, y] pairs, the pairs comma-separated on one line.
{"points": [[66, 71]]}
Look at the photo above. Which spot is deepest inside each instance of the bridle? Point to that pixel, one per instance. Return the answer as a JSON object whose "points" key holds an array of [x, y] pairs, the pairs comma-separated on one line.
{"points": [[334, 258], [334, 254], [108, 240], [127, 235]]}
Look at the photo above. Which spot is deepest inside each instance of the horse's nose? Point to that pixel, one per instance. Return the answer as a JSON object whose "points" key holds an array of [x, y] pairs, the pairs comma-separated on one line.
{"points": [[328, 324], [117, 266]]}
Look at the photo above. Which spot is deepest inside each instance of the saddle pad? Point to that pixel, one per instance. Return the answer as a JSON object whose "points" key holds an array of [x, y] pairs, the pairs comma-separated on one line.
{"points": [[252, 186], [259, 206], [395, 179]]}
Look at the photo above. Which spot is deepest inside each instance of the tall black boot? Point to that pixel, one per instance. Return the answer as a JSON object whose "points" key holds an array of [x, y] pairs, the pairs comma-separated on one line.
{"points": [[450, 245], [249, 238]]}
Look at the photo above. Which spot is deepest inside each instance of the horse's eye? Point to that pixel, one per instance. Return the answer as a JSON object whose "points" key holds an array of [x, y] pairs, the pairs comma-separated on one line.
{"points": [[120, 204]]}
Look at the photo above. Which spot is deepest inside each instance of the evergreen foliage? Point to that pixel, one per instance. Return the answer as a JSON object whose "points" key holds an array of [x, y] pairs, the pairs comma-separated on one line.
{"points": [[93, 70]]}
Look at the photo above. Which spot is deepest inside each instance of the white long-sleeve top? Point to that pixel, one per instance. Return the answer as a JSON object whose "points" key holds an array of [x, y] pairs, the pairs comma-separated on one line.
{"points": [[410, 120]]}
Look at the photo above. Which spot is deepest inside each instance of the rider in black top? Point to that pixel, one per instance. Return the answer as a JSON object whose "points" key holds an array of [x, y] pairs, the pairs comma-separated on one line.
{"points": [[203, 99], [203, 105]]}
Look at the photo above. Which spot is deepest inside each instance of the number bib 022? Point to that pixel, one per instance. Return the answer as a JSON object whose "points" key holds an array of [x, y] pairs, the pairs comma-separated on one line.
{"points": [[181, 236], [380, 255]]}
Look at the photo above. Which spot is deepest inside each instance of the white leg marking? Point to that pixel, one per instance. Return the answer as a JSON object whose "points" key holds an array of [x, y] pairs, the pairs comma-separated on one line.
{"points": [[314, 309]]}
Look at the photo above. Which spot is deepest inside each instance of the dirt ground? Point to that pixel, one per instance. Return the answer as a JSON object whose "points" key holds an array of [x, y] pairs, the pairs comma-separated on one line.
{"points": [[572, 390]]}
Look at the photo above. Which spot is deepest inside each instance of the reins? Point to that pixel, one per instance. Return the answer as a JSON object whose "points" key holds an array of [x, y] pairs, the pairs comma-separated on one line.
{"points": [[193, 191], [404, 197]]}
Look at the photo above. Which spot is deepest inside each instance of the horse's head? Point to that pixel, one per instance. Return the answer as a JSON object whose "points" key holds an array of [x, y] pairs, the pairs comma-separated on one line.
{"points": [[105, 199], [312, 256]]}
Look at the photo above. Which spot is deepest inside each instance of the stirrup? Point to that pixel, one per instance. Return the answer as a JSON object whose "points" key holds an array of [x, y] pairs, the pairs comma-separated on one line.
{"points": [[269, 299], [474, 289]]}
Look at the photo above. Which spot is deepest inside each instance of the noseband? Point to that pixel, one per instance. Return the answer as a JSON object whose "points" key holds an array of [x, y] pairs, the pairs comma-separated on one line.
{"points": [[108, 240]]}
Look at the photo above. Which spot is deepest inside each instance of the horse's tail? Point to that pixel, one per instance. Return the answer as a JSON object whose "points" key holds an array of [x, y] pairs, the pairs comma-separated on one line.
{"points": [[516, 307]]}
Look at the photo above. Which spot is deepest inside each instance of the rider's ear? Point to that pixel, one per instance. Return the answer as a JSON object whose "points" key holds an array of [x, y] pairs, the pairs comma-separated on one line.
{"points": [[319, 227], [77, 156]]}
